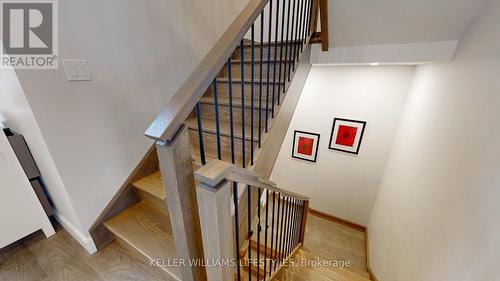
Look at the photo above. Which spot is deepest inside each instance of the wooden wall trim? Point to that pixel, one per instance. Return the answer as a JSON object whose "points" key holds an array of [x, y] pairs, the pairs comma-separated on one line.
{"points": [[124, 198], [338, 220], [368, 268], [372, 275], [323, 11]]}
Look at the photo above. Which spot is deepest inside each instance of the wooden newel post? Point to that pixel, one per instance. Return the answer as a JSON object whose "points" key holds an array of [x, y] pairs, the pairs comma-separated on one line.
{"points": [[178, 180], [214, 201], [304, 221]]}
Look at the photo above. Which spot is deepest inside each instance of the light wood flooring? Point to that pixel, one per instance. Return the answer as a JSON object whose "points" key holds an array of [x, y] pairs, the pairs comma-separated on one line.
{"points": [[61, 258]]}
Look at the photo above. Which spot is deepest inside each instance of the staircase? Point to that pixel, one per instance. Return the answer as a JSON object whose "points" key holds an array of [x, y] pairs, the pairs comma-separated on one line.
{"points": [[216, 125], [144, 228]]}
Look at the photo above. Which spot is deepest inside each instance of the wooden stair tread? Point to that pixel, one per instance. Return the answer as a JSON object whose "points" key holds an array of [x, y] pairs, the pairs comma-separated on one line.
{"points": [[248, 102], [245, 80], [209, 126], [153, 185], [148, 232], [248, 43], [257, 60], [226, 156], [335, 273]]}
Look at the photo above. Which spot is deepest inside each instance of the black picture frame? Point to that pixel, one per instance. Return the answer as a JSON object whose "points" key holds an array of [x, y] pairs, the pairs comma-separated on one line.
{"points": [[317, 146], [335, 120]]}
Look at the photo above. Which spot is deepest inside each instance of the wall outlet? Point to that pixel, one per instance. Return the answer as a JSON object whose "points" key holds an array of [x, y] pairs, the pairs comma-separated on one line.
{"points": [[77, 70]]}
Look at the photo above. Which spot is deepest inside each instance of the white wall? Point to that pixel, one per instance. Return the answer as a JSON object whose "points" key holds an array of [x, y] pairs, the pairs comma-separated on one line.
{"points": [[437, 215], [140, 53], [16, 113], [341, 184]]}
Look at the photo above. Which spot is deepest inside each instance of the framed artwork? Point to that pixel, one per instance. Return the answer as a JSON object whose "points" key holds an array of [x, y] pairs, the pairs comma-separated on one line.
{"points": [[305, 146], [347, 135]]}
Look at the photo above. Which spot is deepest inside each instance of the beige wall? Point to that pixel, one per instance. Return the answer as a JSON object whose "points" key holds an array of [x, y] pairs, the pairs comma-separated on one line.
{"points": [[341, 184], [139, 53], [15, 113], [437, 215]]}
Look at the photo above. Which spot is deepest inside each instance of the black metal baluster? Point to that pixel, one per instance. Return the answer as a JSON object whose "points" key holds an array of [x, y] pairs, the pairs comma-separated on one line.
{"points": [[309, 17], [294, 225], [292, 42], [252, 95], [285, 75], [200, 135], [290, 227], [231, 125], [250, 233], [272, 235], [266, 231], [268, 60], [260, 75], [284, 225], [296, 41], [276, 247], [243, 148], [259, 228], [281, 52], [275, 55], [299, 225], [306, 30], [217, 122], [281, 227], [237, 228], [302, 27]]}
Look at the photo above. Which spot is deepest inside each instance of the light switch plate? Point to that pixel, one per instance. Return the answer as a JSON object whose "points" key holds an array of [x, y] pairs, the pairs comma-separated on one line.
{"points": [[77, 70]]}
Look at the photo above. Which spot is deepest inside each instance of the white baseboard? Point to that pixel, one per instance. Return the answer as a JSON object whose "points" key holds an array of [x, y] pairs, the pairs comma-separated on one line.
{"points": [[84, 240]]}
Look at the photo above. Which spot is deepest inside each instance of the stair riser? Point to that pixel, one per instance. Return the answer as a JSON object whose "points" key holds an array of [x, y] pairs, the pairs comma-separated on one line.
{"points": [[223, 91], [153, 201], [210, 142], [265, 51], [236, 70], [208, 113]]}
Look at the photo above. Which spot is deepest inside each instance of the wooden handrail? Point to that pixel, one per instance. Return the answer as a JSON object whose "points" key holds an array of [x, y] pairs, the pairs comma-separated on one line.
{"points": [[216, 171], [170, 119]]}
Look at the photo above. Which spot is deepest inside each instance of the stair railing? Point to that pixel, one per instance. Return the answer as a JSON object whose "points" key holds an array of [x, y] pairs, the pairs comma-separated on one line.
{"points": [[279, 230], [171, 135]]}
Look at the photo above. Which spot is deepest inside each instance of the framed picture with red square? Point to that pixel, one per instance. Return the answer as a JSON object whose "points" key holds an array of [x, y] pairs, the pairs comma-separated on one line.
{"points": [[347, 135], [305, 146]]}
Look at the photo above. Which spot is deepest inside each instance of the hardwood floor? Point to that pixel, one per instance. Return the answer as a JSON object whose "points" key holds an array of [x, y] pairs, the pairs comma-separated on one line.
{"points": [[333, 241], [61, 258]]}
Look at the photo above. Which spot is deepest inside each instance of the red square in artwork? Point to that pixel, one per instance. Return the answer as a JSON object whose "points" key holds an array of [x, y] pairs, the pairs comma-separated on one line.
{"points": [[346, 135], [305, 146]]}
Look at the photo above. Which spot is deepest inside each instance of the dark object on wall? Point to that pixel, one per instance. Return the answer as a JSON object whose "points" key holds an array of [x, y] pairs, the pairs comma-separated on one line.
{"points": [[305, 146], [30, 168], [347, 135]]}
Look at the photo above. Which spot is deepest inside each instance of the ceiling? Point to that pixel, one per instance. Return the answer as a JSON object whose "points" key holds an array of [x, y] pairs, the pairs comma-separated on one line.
{"points": [[378, 22]]}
